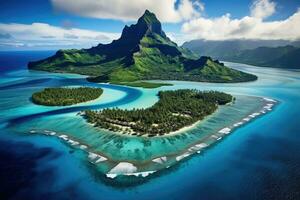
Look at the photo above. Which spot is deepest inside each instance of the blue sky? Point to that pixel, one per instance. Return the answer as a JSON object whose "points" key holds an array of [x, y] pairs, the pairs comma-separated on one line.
{"points": [[69, 21]]}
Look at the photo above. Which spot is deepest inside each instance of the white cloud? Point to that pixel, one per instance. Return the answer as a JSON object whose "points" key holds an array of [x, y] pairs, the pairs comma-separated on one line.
{"points": [[179, 38], [41, 34], [248, 27], [128, 10], [262, 9]]}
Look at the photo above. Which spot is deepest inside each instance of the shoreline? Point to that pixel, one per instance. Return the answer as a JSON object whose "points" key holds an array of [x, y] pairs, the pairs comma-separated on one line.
{"points": [[131, 168], [134, 134], [184, 129], [179, 131], [38, 98]]}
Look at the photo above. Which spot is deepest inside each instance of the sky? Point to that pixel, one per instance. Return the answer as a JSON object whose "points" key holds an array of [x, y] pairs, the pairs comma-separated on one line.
{"points": [[64, 24]]}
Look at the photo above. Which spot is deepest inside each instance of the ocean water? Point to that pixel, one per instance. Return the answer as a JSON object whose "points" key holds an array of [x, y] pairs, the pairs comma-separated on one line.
{"points": [[260, 160]]}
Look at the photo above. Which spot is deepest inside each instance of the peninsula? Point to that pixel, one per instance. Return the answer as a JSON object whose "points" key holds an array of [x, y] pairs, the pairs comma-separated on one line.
{"points": [[174, 110], [143, 52]]}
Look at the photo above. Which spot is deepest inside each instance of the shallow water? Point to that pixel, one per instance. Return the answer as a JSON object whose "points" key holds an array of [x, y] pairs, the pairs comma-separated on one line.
{"points": [[257, 161]]}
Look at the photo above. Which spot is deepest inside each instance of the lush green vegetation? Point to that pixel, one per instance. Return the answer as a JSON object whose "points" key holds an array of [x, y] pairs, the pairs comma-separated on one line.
{"points": [[143, 52], [277, 57], [264, 53], [143, 84], [173, 111], [65, 96]]}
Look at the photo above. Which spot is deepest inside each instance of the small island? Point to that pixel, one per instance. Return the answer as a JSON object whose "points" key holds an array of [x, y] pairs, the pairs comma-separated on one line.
{"points": [[174, 111], [65, 96]]}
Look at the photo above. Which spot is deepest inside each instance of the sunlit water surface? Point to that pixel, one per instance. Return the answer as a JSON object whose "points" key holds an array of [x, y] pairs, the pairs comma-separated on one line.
{"points": [[257, 161]]}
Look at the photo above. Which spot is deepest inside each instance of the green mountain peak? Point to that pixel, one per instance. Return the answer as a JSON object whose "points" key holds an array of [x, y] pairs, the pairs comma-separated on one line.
{"points": [[148, 17], [142, 52]]}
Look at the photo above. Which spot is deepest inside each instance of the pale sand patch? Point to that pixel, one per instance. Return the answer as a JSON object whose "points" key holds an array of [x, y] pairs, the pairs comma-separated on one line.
{"points": [[83, 147], [214, 136], [160, 160], [100, 159], [96, 157], [122, 168], [183, 129], [92, 156], [197, 147]]}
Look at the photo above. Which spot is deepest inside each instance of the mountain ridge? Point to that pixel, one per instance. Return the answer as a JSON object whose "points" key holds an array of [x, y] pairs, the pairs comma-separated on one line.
{"points": [[142, 52], [264, 53], [276, 57]]}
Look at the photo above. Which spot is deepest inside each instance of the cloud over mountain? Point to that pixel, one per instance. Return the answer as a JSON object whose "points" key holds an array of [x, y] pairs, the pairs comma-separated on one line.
{"points": [[249, 27], [262, 9], [41, 34], [166, 10]]}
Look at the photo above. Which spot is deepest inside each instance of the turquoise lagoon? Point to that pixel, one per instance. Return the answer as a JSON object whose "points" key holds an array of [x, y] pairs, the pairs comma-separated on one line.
{"points": [[114, 154], [248, 144]]}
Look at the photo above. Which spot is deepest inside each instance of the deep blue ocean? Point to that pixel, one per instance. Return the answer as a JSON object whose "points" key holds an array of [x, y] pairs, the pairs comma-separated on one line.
{"points": [[260, 160]]}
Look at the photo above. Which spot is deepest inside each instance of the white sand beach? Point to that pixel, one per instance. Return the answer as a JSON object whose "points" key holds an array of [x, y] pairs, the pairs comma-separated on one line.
{"points": [[122, 168]]}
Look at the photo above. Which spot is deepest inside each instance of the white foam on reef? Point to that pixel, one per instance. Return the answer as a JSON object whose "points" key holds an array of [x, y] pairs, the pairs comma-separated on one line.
{"points": [[52, 133], [160, 160], [268, 99], [111, 175], [238, 124], [254, 114], [143, 174], [193, 148], [47, 132], [246, 119], [92, 156], [64, 137], [137, 174], [268, 107], [129, 169], [72, 142], [197, 147], [201, 145], [225, 130], [178, 158]]}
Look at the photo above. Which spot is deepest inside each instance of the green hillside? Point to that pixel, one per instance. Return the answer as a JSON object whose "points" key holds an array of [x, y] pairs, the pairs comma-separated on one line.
{"points": [[264, 53], [279, 57], [142, 52]]}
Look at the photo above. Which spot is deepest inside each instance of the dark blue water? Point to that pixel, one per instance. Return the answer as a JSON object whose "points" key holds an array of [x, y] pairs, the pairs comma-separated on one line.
{"points": [[258, 161], [10, 61]]}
